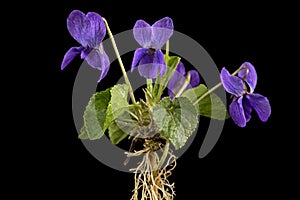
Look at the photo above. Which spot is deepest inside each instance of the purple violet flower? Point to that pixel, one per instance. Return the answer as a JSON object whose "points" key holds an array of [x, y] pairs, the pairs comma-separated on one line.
{"points": [[244, 101], [89, 30], [150, 59], [178, 79]]}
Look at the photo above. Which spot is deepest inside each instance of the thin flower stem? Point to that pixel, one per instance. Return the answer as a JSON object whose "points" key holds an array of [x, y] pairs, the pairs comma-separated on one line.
{"points": [[120, 61], [208, 92], [167, 49], [186, 83], [163, 79], [217, 86], [133, 115]]}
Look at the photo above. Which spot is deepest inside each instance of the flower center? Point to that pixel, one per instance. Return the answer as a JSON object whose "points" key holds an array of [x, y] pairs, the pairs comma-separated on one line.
{"points": [[246, 86], [151, 51]]}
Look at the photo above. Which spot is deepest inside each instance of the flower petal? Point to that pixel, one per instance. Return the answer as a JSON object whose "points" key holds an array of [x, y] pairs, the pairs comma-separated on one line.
{"points": [[150, 63], [79, 26], [247, 109], [251, 77], [180, 68], [177, 80], [97, 29], [147, 58], [142, 33], [159, 59], [261, 105], [85, 52], [147, 68], [138, 55], [99, 60], [162, 30], [236, 111], [70, 55], [195, 79], [232, 84]]}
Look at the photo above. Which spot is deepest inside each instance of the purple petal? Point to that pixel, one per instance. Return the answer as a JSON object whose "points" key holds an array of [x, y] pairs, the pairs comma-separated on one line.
{"points": [[232, 84], [159, 59], [180, 68], [251, 77], [138, 55], [162, 30], [79, 26], [261, 105], [97, 29], [247, 109], [175, 83], [147, 68], [85, 52], [177, 80], [195, 79], [142, 33], [99, 60], [70, 55], [147, 58], [237, 112], [150, 63]]}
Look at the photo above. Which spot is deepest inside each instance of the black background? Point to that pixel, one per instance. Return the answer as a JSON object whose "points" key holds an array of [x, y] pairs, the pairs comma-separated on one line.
{"points": [[246, 162]]}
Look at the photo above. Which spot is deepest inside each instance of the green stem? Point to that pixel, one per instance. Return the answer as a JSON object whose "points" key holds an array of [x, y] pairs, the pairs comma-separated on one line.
{"points": [[217, 86], [120, 61], [164, 156], [160, 90], [208, 93], [161, 81], [186, 83], [149, 85], [167, 49]]}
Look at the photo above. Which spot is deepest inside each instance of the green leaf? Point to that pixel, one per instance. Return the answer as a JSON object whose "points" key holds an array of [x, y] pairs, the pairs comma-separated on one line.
{"points": [[83, 134], [95, 116], [210, 106], [161, 82], [176, 119], [116, 134], [118, 112], [119, 129], [172, 63], [118, 103]]}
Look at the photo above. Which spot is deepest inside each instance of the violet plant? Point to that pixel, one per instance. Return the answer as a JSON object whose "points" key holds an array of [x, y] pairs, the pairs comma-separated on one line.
{"points": [[157, 120]]}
